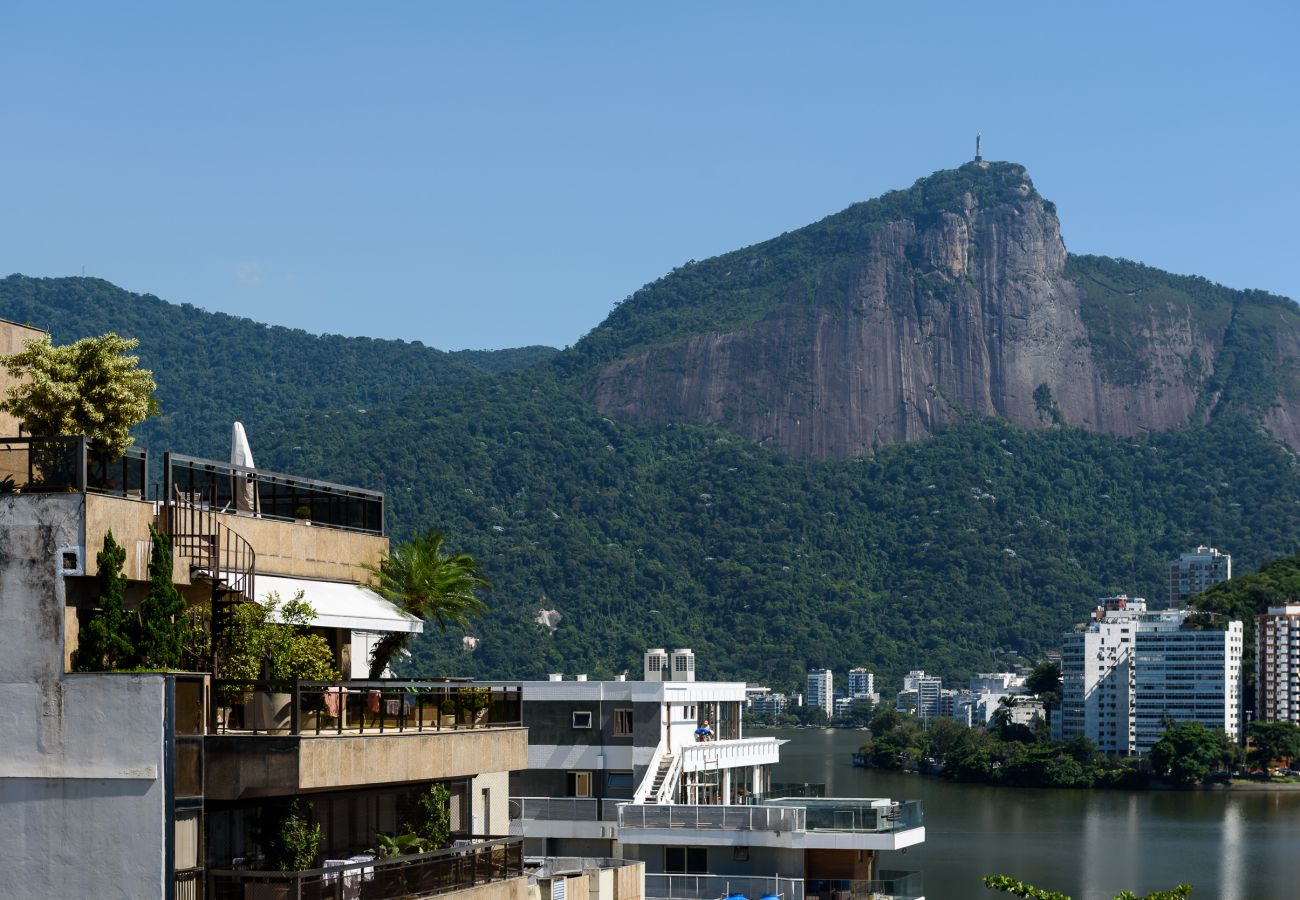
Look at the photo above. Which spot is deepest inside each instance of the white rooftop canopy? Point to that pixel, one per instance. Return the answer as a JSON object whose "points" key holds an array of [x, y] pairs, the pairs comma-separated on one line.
{"points": [[340, 604]]}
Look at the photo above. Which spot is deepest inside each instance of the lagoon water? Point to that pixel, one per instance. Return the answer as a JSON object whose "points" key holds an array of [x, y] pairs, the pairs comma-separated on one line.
{"points": [[1230, 845]]}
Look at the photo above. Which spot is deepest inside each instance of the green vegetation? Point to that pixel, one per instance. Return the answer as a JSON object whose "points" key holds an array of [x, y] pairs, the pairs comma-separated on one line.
{"points": [[91, 387], [163, 623], [1008, 754], [968, 551], [744, 286], [1187, 753], [432, 585], [272, 640], [105, 642], [1008, 885], [290, 839], [281, 371], [1273, 741]]}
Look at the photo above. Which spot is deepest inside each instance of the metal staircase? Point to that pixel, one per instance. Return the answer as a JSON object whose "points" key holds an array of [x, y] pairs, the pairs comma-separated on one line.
{"points": [[216, 554]]}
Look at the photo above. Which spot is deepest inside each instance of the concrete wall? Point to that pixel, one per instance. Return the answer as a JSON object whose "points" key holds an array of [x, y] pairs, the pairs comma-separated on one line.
{"points": [[309, 551], [81, 756], [12, 338], [494, 818], [509, 889], [241, 766]]}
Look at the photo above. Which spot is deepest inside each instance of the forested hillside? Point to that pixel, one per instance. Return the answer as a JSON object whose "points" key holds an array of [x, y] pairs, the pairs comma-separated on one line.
{"points": [[746, 492], [212, 368], [953, 554]]}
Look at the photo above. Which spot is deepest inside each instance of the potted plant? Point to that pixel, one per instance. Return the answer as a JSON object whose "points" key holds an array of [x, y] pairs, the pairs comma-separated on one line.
{"points": [[447, 709], [291, 842], [474, 702], [302, 515], [272, 642]]}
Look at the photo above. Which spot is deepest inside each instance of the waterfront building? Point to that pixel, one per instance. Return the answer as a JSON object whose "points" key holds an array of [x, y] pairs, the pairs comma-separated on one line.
{"points": [[759, 699], [171, 784], [615, 770], [862, 683], [1277, 664], [821, 690], [1193, 572], [1129, 671], [922, 695]]}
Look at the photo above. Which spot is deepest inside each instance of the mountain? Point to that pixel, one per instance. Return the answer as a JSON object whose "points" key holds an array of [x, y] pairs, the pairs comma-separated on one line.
{"points": [[213, 369], [916, 433], [890, 320]]}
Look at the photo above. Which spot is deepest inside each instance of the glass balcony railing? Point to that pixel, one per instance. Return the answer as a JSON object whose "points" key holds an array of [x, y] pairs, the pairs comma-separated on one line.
{"points": [[32, 465], [806, 814], [384, 706]]}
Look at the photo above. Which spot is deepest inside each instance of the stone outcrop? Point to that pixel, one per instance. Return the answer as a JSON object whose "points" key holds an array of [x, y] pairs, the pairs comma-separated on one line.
{"points": [[931, 317]]}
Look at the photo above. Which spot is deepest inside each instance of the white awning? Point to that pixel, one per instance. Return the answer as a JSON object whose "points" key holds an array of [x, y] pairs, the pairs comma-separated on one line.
{"points": [[340, 604]]}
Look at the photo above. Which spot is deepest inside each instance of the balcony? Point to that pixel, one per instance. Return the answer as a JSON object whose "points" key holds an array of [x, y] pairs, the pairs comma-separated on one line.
{"points": [[32, 465], [813, 823], [764, 751], [482, 862], [273, 495], [279, 738], [892, 885], [564, 817]]}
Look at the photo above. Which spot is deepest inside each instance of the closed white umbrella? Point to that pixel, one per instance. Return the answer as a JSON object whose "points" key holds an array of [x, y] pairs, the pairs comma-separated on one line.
{"points": [[243, 484]]}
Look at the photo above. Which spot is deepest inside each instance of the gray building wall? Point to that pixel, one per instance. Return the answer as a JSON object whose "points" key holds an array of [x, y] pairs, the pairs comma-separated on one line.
{"points": [[82, 770]]}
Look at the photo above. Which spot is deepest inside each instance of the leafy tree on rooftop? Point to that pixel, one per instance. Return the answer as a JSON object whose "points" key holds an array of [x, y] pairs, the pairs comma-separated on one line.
{"points": [[162, 611], [104, 642], [92, 387]]}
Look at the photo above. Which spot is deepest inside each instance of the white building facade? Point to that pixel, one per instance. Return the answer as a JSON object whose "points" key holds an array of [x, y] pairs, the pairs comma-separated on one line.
{"points": [[1129, 671], [821, 690]]}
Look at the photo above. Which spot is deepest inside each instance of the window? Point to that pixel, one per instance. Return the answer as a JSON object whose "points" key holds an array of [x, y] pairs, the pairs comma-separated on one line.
{"points": [[622, 723], [582, 718], [686, 861], [740, 854], [579, 784], [618, 784]]}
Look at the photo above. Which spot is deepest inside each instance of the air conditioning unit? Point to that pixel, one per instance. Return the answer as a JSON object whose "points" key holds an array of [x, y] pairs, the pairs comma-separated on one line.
{"points": [[656, 665]]}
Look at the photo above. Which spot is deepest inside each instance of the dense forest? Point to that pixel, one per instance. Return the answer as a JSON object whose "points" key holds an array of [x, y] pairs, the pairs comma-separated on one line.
{"points": [[959, 553], [213, 369], [971, 550]]}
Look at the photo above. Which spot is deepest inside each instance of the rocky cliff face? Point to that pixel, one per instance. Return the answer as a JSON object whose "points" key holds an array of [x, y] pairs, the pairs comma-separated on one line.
{"points": [[966, 308]]}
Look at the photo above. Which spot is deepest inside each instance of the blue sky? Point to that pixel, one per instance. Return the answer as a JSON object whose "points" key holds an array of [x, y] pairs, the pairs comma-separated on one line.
{"points": [[492, 175]]}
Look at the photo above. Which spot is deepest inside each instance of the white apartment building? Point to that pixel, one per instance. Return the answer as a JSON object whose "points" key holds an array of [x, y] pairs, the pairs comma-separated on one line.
{"points": [[1277, 664], [821, 690], [1187, 675], [1129, 670], [862, 683], [921, 694], [1194, 572]]}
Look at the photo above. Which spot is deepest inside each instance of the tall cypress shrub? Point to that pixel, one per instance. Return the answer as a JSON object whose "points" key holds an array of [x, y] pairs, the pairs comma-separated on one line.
{"points": [[104, 642], [162, 611]]}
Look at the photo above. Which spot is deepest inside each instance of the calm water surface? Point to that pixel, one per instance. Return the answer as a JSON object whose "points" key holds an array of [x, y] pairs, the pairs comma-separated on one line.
{"points": [[1231, 845]]}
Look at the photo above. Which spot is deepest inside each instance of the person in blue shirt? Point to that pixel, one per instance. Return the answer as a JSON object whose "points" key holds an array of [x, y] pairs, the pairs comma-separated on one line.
{"points": [[704, 732]]}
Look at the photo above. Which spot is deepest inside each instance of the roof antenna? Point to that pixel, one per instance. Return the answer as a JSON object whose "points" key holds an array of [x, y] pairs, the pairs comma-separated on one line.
{"points": [[978, 158]]}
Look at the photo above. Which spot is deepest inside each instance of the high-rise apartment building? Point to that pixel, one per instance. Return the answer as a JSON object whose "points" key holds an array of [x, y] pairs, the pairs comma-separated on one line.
{"points": [[861, 683], [1277, 664], [821, 690], [1194, 572], [1129, 671]]}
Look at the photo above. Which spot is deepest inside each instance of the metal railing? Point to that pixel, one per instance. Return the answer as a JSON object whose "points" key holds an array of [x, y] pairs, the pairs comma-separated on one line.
{"points": [[273, 495], [848, 814], [729, 818], [383, 706], [424, 874], [711, 887], [31, 465], [826, 814], [891, 885], [565, 809]]}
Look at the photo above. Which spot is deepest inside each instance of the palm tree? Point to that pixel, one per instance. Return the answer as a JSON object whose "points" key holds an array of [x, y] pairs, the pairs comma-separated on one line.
{"points": [[424, 582]]}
